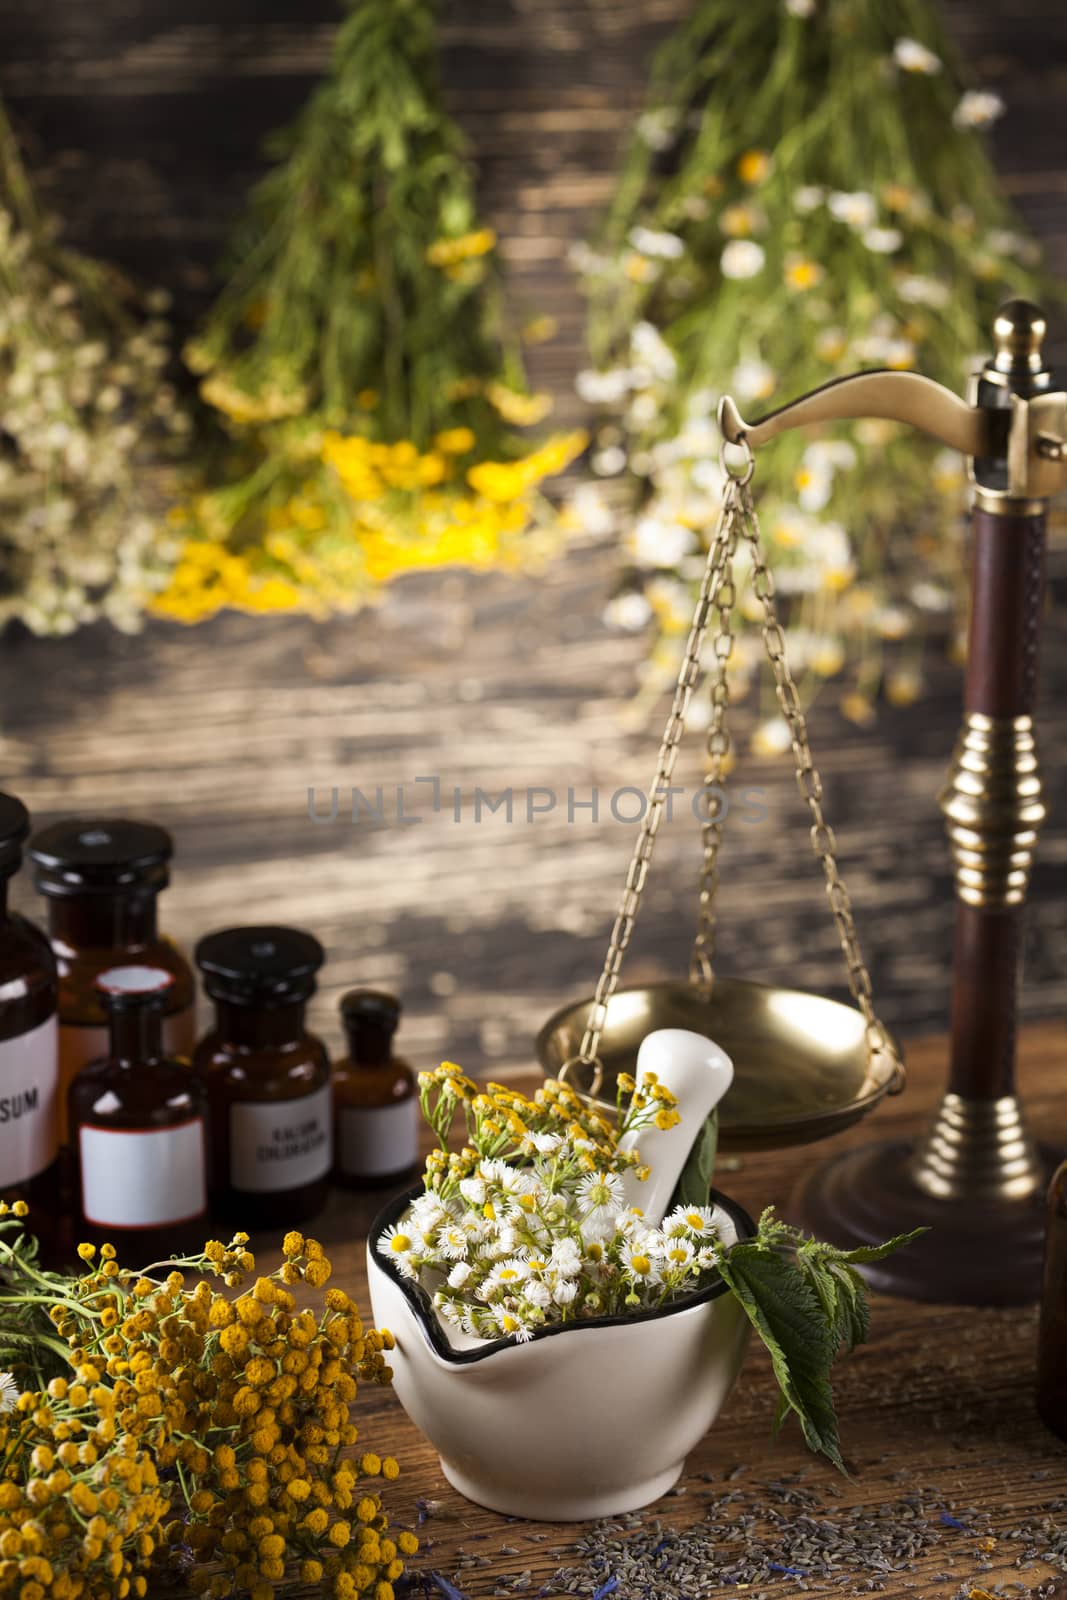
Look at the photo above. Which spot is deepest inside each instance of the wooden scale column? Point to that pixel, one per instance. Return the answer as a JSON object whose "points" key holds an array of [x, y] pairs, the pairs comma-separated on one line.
{"points": [[978, 1177]]}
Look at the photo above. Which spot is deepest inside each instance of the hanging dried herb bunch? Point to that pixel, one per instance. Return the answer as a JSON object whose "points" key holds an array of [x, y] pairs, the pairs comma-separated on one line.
{"points": [[807, 193], [84, 404], [358, 354]]}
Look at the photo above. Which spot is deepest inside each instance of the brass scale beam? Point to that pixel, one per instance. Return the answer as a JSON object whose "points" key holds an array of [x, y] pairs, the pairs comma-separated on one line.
{"points": [[977, 1177]]}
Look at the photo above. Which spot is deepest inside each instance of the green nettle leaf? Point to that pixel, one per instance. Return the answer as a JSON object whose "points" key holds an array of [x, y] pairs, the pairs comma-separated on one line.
{"points": [[695, 1180], [807, 1302]]}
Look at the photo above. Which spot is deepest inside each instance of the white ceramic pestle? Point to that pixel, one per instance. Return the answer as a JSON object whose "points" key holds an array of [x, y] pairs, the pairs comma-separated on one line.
{"points": [[699, 1074]]}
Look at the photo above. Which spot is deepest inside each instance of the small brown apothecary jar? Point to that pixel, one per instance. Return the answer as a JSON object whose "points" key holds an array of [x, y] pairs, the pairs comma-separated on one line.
{"points": [[138, 1121], [267, 1078]]}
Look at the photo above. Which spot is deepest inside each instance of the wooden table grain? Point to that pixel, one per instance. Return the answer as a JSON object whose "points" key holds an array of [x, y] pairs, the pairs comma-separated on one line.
{"points": [[939, 1403]]}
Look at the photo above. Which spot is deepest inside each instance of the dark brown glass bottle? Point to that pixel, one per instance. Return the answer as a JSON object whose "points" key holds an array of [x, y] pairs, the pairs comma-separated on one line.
{"points": [[267, 1078], [102, 878], [29, 1062], [1052, 1360], [138, 1122], [375, 1101]]}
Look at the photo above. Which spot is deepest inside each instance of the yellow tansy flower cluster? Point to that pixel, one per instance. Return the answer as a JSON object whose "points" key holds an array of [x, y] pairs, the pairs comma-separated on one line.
{"points": [[189, 1433], [358, 513], [504, 1125]]}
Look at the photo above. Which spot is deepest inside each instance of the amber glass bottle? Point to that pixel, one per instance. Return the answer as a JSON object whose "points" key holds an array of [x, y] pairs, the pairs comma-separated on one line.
{"points": [[29, 1067], [138, 1122], [1052, 1361], [376, 1108], [267, 1078], [102, 879]]}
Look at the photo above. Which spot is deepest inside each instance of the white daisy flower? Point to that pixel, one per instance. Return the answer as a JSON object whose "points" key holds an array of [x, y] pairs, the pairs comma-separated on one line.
{"points": [[639, 1264], [537, 1294], [473, 1190], [697, 1219], [753, 379], [603, 388], [911, 56], [492, 1171], [600, 1195], [856, 207], [9, 1392], [546, 1143], [657, 128], [608, 463], [396, 1240], [452, 1242], [917, 290], [513, 1327], [564, 1291], [426, 1212], [978, 108], [657, 242], [678, 1254], [658, 543], [651, 352], [591, 511], [808, 197], [566, 1258], [883, 241], [460, 1275], [629, 611], [742, 258], [508, 1275]]}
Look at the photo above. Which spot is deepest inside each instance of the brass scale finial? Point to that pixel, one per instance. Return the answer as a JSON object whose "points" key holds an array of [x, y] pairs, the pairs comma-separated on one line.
{"points": [[977, 1174]]}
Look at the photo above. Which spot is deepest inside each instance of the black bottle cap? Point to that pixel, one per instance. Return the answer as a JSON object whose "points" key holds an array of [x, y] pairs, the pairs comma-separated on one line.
{"points": [[101, 854], [259, 965], [124, 988], [374, 1006], [14, 826]]}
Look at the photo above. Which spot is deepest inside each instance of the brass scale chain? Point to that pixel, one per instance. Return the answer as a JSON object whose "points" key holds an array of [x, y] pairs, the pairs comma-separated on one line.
{"points": [[737, 519]]}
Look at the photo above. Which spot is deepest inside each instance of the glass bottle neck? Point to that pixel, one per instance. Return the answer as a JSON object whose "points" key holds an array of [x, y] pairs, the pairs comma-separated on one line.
{"points": [[137, 1035], [103, 921], [253, 1027], [367, 1047]]}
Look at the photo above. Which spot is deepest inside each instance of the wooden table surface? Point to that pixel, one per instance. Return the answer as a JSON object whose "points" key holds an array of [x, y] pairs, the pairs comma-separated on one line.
{"points": [[937, 1420]]}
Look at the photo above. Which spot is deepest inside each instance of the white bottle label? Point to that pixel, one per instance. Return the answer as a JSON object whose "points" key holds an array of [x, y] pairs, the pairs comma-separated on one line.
{"points": [[375, 1140], [29, 1103], [281, 1144], [143, 1177]]}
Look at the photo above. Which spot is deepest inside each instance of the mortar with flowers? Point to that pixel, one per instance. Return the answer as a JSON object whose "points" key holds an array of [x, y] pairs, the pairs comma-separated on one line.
{"points": [[570, 1312]]}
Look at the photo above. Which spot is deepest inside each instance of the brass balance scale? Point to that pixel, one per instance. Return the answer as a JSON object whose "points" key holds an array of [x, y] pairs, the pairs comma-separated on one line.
{"points": [[807, 1066]]}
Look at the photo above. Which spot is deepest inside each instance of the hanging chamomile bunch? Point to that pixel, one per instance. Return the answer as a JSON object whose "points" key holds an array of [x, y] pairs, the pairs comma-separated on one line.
{"points": [[357, 356], [84, 404], [807, 193]]}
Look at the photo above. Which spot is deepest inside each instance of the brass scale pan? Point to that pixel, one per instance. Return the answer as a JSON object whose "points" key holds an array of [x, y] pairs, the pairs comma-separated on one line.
{"points": [[800, 1060]]}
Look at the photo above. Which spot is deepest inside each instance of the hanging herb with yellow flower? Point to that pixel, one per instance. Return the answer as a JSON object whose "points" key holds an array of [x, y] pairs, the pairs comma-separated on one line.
{"points": [[152, 1428], [358, 357], [85, 405], [807, 193]]}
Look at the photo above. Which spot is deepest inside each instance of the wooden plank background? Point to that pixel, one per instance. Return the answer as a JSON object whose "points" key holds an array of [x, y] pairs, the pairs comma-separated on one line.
{"points": [[146, 120]]}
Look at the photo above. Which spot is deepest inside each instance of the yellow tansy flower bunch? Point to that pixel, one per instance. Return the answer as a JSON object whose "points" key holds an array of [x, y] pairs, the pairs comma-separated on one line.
{"points": [[502, 1125], [171, 1429], [754, 249], [357, 361]]}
